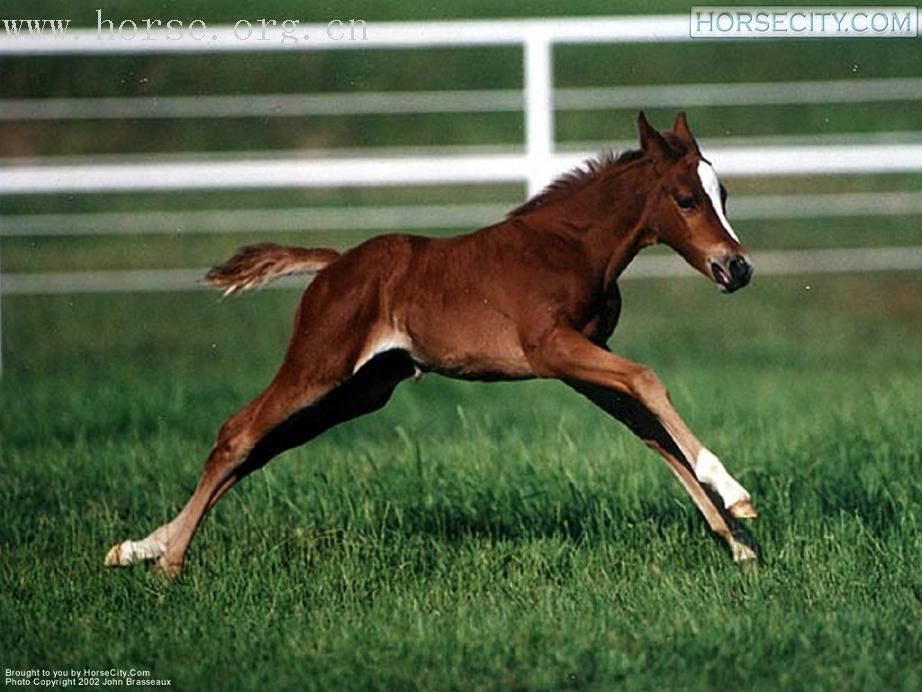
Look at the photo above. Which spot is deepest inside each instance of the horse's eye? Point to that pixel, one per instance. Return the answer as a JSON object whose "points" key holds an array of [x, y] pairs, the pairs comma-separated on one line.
{"points": [[685, 202]]}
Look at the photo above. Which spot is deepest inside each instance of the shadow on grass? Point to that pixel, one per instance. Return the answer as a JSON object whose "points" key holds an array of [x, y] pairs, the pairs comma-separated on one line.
{"points": [[594, 519]]}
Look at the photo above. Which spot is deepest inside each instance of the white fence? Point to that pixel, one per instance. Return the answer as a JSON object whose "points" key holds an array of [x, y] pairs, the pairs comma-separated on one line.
{"points": [[533, 164]]}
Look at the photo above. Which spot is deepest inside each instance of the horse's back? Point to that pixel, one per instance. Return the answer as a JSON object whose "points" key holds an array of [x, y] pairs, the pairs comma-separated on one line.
{"points": [[461, 305]]}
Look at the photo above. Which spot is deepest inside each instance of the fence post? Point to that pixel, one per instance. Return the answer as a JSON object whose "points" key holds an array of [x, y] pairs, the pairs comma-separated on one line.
{"points": [[539, 110]]}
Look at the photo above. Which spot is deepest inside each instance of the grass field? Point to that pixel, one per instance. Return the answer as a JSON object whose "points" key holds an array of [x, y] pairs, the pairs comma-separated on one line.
{"points": [[468, 536], [473, 536]]}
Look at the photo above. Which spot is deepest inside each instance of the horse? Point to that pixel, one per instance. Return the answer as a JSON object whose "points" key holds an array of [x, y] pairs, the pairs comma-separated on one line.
{"points": [[532, 296]]}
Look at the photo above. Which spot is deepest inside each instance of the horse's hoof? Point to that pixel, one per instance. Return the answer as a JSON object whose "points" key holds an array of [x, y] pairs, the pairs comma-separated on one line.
{"points": [[114, 557], [128, 552], [749, 565], [744, 556], [743, 510]]}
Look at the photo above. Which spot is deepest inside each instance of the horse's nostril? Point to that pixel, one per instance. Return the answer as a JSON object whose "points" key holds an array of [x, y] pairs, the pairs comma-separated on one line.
{"points": [[740, 269]]}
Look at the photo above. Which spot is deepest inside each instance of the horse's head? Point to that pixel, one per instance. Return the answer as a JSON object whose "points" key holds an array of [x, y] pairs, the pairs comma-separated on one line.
{"points": [[688, 208]]}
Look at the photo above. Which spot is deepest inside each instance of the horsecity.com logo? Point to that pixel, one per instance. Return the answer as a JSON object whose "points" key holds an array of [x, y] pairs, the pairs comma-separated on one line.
{"points": [[803, 22]]}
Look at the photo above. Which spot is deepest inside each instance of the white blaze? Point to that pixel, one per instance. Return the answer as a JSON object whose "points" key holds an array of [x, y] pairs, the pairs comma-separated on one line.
{"points": [[711, 186]]}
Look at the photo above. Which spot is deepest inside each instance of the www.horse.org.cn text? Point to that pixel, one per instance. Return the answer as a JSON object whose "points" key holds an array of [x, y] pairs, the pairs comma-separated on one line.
{"points": [[283, 32], [288, 32]]}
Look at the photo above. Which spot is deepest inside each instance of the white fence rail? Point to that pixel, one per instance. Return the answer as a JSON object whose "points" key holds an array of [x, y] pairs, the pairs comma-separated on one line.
{"points": [[467, 101], [536, 168], [414, 217], [501, 32]]}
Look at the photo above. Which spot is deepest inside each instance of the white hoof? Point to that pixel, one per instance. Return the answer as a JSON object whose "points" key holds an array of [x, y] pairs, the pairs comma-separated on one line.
{"points": [[129, 552]]}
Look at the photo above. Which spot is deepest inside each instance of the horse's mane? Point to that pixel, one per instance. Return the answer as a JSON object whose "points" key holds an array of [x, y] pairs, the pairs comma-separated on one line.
{"points": [[577, 178]]}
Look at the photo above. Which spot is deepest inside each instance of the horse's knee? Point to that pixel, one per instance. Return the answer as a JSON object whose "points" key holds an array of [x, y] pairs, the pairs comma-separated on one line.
{"points": [[231, 446], [645, 385], [237, 432]]}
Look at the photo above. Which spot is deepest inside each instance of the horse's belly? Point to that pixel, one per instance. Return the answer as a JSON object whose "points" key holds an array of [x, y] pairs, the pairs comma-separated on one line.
{"points": [[472, 366], [488, 350]]}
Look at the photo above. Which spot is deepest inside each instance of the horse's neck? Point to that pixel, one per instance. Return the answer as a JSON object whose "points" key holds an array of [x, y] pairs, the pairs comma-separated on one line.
{"points": [[606, 219]]}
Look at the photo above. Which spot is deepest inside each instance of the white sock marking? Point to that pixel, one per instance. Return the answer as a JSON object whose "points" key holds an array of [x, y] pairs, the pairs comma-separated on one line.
{"points": [[711, 472], [711, 186], [128, 552]]}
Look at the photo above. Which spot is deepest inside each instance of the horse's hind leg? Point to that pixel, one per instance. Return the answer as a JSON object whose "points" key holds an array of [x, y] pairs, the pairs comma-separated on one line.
{"points": [[168, 543], [284, 416]]}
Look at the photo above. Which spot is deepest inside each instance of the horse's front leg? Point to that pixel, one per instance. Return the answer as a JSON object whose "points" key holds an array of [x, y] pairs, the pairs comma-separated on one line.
{"points": [[634, 395]]}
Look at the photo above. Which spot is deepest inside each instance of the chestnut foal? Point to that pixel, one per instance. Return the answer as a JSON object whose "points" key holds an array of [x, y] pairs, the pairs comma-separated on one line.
{"points": [[534, 295]]}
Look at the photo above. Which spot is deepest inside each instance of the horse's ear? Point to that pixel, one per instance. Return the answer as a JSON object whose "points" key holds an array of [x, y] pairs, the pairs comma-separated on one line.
{"points": [[651, 141], [680, 127]]}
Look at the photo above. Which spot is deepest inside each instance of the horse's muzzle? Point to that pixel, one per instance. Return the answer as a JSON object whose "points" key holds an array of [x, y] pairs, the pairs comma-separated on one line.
{"points": [[732, 273]]}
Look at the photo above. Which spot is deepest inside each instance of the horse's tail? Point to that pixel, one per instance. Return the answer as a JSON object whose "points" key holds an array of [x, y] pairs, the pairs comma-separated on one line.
{"points": [[256, 265]]}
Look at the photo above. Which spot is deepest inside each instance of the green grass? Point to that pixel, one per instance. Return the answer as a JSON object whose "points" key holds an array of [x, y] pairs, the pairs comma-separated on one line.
{"points": [[468, 536], [473, 536]]}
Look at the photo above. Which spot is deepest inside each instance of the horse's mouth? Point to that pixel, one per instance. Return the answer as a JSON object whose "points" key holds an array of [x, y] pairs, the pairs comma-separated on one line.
{"points": [[732, 274], [722, 278]]}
